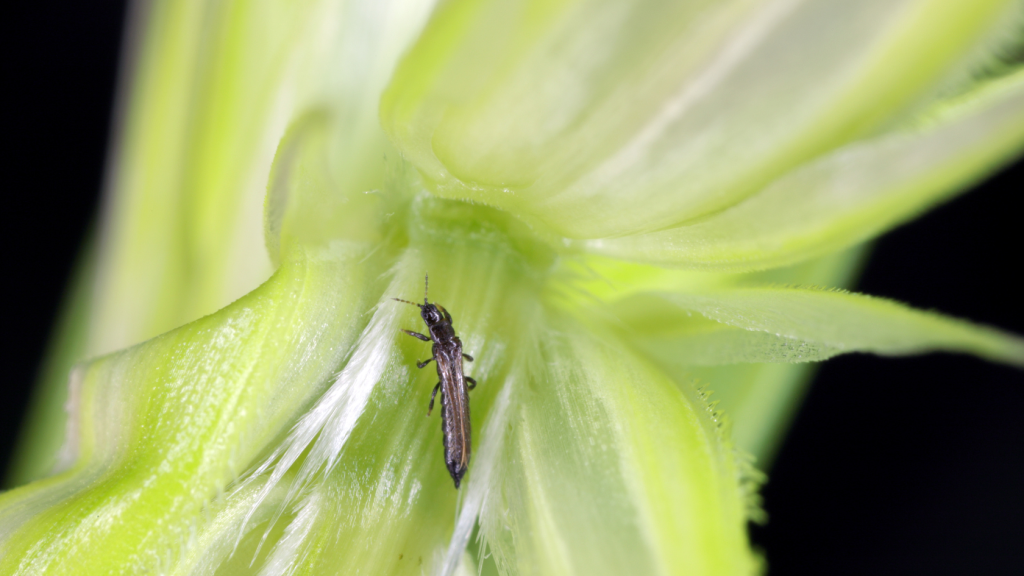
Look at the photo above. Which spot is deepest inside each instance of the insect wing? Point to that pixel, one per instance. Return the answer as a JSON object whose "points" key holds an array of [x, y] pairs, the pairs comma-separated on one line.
{"points": [[456, 408], [449, 368]]}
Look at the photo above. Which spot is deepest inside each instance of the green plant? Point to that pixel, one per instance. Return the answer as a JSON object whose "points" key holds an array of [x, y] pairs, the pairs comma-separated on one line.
{"points": [[617, 201]]}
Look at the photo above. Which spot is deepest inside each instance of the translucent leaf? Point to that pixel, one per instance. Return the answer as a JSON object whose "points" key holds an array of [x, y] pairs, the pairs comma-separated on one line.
{"points": [[155, 461], [216, 547], [728, 336], [370, 488], [849, 195], [759, 398], [599, 119], [209, 91], [285, 434], [310, 204], [213, 89], [608, 467], [591, 278], [158, 430], [799, 325]]}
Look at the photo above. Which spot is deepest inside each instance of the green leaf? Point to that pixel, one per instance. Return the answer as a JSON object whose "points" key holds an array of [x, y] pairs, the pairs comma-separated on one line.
{"points": [[214, 87], [228, 539], [210, 92], [601, 465], [285, 433], [849, 195], [700, 324], [799, 325], [596, 119], [760, 399], [158, 430], [370, 487]]}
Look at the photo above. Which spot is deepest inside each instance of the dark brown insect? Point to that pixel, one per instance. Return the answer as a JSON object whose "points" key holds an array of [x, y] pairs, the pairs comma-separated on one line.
{"points": [[448, 355]]}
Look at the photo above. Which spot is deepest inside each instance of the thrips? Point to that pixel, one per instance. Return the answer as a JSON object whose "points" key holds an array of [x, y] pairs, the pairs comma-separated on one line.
{"points": [[447, 356]]}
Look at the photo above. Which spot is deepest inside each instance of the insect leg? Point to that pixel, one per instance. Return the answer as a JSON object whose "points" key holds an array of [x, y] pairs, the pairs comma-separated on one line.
{"points": [[472, 382], [417, 335], [467, 356], [425, 362], [430, 408]]}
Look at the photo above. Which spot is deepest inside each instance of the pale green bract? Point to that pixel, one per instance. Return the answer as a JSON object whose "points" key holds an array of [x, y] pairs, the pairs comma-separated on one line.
{"points": [[623, 204]]}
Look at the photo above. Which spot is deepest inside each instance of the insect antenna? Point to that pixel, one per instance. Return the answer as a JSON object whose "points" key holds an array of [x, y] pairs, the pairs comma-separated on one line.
{"points": [[426, 285], [407, 302]]}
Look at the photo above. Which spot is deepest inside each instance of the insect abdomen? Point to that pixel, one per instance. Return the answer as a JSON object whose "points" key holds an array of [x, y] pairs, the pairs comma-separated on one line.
{"points": [[455, 431]]}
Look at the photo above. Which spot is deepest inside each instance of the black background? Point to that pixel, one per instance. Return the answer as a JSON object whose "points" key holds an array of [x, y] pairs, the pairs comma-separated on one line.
{"points": [[908, 466], [60, 62]]}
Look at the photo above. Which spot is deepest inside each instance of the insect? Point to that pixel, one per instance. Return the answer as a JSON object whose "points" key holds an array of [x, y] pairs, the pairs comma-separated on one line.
{"points": [[447, 357]]}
